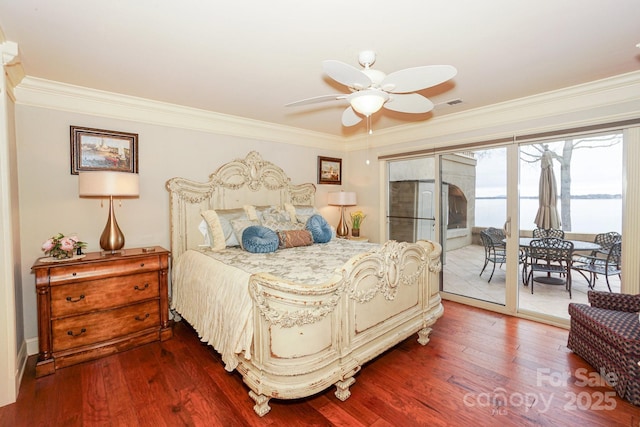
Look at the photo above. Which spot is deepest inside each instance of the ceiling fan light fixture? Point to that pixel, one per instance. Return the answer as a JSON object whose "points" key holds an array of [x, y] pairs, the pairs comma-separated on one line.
{"points": [[372, 89], [368, 102]]}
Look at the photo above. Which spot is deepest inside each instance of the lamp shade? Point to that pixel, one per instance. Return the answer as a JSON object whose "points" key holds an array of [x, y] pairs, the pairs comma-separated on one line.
{"points": [[367, 102], [342, 198], [108, 183]]}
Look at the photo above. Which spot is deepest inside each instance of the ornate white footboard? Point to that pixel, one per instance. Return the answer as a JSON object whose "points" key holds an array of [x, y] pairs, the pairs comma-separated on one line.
{"points": [[308, 338]]}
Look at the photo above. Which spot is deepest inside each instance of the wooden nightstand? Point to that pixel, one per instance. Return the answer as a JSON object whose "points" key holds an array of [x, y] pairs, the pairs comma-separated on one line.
{"points": [[100, 305]]}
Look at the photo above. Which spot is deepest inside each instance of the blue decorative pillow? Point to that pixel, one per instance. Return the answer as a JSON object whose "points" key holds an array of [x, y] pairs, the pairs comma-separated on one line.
{"points": [[319, 228], [259, 240]]}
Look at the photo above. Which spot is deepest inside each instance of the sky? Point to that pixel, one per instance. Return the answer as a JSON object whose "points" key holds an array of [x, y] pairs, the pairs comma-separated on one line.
{"points": [[593, 171]]}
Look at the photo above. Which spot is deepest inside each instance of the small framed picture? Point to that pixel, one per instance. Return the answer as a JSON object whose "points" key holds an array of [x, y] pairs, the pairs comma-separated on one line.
{"points": [[329, 170], [103, 150]]}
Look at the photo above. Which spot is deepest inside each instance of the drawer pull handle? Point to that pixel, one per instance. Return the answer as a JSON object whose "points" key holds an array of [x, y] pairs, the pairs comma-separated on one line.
{"points": [[142, 264], [73, 274], [138, 288], [80, 298], [82, 331], [142, 318]]}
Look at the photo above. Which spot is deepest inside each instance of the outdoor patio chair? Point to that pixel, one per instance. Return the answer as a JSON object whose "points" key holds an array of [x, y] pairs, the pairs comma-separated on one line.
{"points": [[550, 255], [606, 240], [492, 253], [539, 233], [594, 265], [497, 235]]}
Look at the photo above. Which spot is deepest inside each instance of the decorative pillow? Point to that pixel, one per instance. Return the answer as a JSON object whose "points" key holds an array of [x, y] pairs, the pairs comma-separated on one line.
{"points": [[302, 219], [259, 240], [291, 210], [219, 222], [239, 225], [251, 212], [215, 229], [274, 213], [282, 225], [319, 228], [300, 213], [294, 238]]}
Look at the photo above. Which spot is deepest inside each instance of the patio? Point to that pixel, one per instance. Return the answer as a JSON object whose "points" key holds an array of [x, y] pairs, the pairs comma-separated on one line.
{"points": [[461, 276]]}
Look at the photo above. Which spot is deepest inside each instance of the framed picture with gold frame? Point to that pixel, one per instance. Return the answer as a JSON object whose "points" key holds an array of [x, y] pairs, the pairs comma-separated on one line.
{"points": [[103, 150], [329, 170]]}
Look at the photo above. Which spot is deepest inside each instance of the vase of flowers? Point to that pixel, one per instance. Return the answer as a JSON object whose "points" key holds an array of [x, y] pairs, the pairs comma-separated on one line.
{"points": [[356, 221], [62, 247]]}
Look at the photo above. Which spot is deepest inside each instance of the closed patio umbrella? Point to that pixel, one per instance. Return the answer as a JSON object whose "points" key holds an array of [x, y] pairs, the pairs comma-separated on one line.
{"points": [[547, 216]]}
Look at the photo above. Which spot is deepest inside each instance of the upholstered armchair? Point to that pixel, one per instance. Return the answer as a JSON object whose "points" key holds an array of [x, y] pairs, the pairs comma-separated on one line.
{"points": [[606, 334]]}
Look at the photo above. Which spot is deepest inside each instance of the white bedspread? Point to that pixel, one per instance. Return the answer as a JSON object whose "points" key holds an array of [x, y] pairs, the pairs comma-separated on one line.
{"points": [[210, 289]]}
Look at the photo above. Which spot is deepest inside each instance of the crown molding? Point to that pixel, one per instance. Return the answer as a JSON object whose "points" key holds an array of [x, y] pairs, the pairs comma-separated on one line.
{"points": [[622, 92], [9, 57], [36, 92], [619, 90]]}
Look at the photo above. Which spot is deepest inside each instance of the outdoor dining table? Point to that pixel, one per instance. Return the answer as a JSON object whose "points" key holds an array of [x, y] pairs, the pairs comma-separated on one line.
{"points": [[578, 246]]}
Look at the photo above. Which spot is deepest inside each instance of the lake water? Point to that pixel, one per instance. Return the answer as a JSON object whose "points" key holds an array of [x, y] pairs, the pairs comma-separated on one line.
{"points": [[587, 215]]}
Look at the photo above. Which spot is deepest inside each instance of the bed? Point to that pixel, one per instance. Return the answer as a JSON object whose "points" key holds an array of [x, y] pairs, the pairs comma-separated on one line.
{"points": [[292, 332]]}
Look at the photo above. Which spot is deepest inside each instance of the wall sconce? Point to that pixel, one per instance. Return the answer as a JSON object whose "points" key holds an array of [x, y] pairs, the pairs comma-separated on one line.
{"points": [[109, 184], [342, 199]]}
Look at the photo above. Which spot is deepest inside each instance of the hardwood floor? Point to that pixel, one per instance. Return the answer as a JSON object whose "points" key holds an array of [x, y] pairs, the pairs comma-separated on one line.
{"points": [[480, 368]]}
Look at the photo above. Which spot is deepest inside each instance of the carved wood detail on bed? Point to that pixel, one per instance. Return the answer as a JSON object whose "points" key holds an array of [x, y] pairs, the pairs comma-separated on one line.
{"points": [[251, 180], [307, 338]]}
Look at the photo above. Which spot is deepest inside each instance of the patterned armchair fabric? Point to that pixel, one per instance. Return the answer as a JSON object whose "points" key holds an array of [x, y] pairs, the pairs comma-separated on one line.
{"points": [[607, 335], [618, 302]]}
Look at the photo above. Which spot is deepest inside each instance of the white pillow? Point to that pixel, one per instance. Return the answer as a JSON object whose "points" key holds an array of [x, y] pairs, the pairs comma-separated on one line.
{"points": [[204, 230]]}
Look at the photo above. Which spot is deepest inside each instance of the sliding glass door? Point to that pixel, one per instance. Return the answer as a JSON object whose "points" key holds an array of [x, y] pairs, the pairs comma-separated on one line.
{"points": [[474, 213], [587, 177], [481, 205]]}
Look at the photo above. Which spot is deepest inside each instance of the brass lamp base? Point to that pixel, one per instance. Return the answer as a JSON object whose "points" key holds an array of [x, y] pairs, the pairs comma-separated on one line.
{"points": [[112, 239], [342, 231]]}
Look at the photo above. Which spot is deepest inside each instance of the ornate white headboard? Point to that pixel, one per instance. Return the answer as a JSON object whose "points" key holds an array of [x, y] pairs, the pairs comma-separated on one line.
{"points": [[248, 181]]}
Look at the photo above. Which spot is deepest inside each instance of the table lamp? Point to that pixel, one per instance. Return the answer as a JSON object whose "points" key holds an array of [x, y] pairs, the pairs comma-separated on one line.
{"points": [[109, 184], [342, 199]]}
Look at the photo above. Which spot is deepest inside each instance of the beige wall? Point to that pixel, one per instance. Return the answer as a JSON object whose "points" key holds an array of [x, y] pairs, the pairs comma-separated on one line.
{"points": [[49, 201]]}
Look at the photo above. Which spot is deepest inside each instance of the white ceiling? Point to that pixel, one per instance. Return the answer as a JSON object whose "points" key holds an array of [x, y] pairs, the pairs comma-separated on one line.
{"points": [[250, 58]]}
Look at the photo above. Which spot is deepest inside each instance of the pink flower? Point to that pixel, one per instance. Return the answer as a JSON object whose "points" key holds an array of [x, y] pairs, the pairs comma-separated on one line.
{"points": [[48, 245], [67, 244]]}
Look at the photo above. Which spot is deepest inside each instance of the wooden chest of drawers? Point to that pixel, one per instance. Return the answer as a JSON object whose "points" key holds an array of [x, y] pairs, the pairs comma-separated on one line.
{"points": [[100, 305]]}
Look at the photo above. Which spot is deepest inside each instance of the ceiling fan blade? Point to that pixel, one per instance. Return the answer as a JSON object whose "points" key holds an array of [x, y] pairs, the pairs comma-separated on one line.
{"points": [[350, 118], [408, 103], [346, 74], [417, 78], [316, 99]]}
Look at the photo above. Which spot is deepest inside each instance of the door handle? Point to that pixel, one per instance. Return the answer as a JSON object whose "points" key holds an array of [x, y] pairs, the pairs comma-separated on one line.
{"points": [[507, 227]]}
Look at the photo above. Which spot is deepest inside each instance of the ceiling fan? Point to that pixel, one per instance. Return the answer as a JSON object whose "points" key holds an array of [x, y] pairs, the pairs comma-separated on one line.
{"points": [[372, 89]]}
